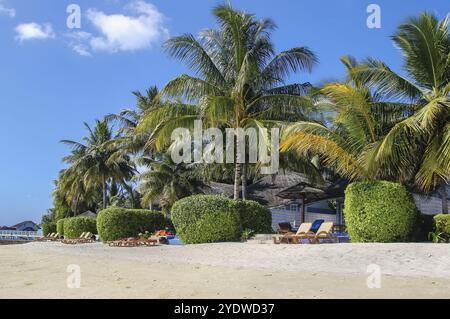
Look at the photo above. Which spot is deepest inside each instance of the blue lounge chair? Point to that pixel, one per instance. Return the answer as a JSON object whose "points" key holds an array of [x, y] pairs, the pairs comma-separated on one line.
{"points": [[316, 225]]}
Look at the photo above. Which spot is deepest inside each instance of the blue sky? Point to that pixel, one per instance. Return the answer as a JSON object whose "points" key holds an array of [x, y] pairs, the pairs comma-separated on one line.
{"points": [[53, 78]]}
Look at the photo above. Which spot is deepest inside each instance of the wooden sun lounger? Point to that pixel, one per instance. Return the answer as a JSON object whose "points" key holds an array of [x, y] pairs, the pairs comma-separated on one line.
{"points": [[51, 237], [83, 239], [291, 237], [284, 228], [57, 237], [133, 242], [325, 232], [46, 238]]}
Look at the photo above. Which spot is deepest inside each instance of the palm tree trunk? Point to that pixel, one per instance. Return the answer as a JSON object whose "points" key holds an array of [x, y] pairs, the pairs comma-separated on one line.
{"points": [[104, 191], [444, 197], [244, 181], [237, 180], [237, 170]]}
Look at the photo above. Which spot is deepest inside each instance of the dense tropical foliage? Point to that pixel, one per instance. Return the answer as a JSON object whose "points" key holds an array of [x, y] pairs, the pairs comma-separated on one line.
{"points": [[389, 126], [95, 165], [239, 82], [377, 124]]}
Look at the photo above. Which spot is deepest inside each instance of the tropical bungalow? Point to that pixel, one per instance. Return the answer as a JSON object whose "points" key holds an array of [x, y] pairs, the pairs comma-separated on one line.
{"points": [[26, 226], [431, 204], [292, 197], [88, 214]]}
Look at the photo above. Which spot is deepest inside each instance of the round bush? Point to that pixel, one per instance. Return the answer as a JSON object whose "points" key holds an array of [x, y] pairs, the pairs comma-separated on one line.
{"points": [[60, 226], [254, 216], [442, 223], [74, 227], [115, 223], [206, 219], [379, 211], [48, 228]]}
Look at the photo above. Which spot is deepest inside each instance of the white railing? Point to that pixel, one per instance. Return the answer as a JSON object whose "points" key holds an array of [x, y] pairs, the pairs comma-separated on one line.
{"points": [[18, 235]]}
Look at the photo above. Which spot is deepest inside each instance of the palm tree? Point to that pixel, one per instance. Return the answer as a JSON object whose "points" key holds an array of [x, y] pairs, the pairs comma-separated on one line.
{"points": [[72, 192], [361, 119], [239, 81], [168, 182], [418, 146], [96, 163], [128, 119]]}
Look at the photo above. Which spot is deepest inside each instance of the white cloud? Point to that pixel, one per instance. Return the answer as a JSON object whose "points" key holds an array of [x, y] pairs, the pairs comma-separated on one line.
{"points": [[4, 9], [34, 31], [77, 42], [140, 29]]}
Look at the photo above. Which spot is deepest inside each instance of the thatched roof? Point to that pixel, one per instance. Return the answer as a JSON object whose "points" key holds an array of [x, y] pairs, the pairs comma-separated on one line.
{"points": [[26, 222], [88, 214], [220, 189], [310, 193], [265, 190], [7, 228]]}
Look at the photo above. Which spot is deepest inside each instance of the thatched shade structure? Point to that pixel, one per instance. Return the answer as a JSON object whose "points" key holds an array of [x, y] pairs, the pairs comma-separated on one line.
{"points": [[310, 194]]}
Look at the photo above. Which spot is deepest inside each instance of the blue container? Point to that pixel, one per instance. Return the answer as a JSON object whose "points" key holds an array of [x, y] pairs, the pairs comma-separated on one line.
{"points": [[175, 241]]}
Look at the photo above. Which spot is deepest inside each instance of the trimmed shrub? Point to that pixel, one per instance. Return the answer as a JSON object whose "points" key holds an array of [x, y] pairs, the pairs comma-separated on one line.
{"points": [[48, 228], [115, 223], [60, 226], [206, 219], [255, 217], [74, 227], [379, 211], [442, 223]]}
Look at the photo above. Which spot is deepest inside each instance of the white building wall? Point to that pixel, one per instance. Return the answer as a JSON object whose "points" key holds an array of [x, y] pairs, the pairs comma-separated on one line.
{"points": [[292, 214], [429, 205], [311, 217], [283, 215]]}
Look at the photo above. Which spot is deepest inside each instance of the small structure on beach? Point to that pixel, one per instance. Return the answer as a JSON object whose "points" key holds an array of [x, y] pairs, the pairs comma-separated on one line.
{"points": [[26, 226], [292, 197], [88, 214], [6, 228]]}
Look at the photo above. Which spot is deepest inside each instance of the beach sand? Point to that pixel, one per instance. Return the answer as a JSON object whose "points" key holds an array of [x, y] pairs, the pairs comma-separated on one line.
{"points": [[228, 270]]}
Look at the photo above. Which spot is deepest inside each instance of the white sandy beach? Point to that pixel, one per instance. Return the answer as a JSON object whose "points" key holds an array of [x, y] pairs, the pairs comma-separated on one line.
{"points": [[229, 270]]}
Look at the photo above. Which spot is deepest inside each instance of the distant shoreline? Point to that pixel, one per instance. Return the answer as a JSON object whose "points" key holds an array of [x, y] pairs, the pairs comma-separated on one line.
{"points": [[16, 242]]}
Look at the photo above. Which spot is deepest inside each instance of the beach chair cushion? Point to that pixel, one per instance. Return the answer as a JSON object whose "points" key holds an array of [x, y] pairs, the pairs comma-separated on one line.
{"points": [[284, 227], [316, 225]]}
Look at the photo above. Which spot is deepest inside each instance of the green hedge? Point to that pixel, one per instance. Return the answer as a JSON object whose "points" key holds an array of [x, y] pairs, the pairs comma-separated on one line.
{"points": [[115, 223], [254, 216], [60, 226], [48, 228], [206, 219], [379, 211], [74, 227], [442, 224]]}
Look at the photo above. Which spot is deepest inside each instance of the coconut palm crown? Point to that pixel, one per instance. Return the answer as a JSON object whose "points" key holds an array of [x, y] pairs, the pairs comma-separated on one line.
{"points": [[238, 81]]}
